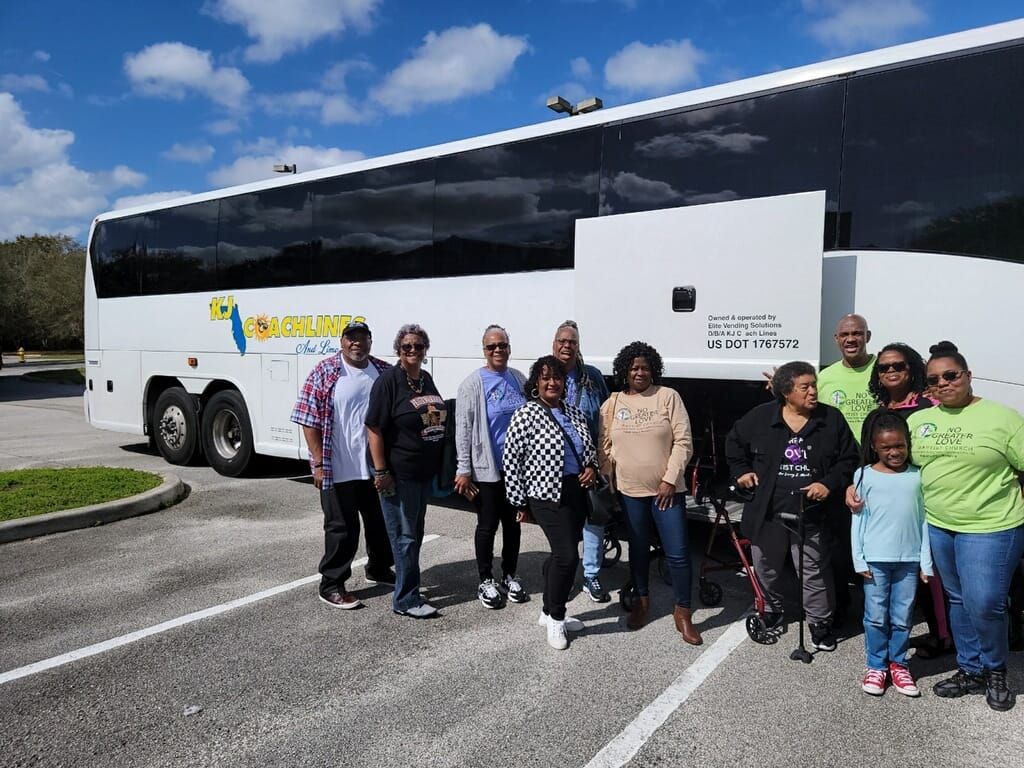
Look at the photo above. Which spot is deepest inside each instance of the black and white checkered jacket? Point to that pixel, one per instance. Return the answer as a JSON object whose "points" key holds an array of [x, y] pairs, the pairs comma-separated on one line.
{"points": [[534, 454]]}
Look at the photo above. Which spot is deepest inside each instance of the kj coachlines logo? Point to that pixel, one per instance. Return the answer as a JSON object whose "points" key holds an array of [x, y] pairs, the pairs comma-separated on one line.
{"points": [[948, 440], [318, 332]]}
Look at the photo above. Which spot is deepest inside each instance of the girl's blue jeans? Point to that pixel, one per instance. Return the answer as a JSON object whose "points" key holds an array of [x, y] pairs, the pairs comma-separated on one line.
{"points": [[888, 613]]}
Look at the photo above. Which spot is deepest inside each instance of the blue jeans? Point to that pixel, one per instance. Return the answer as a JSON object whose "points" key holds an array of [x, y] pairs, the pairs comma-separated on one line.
{"points": [[671, 525], [976, 569], [404, 516], [889, 612], [593, 549]]}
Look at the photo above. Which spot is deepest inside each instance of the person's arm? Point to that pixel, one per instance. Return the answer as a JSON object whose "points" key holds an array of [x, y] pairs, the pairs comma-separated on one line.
{"points": [[604, 444], [382, 479], [512, 457], [860, 565], [844, 460], [378, 417], [466, 404], [927, 565], [315, 445], [737, 455]]}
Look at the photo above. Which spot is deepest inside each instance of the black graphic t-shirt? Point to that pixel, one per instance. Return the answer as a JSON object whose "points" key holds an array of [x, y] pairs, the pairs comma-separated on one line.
{"points": [[794, 473], [411, 422]]}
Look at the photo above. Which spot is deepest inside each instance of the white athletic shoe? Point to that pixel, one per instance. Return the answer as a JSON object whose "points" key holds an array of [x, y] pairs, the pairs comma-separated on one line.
{"points": [[572, 624], [556, 635]]}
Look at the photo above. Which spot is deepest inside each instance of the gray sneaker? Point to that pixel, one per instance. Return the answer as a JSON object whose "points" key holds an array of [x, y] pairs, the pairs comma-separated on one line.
{"points": [[422, 611]]}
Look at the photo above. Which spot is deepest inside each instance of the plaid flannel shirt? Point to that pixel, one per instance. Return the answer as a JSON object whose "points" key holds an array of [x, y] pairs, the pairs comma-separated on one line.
{"points": [[315, 406]]}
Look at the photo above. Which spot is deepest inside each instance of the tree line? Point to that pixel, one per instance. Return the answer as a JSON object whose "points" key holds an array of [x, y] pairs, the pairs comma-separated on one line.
{"points": [[41, 293]]}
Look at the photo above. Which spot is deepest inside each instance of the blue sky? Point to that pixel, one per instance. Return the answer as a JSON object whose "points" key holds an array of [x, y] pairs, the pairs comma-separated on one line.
{"points": [[104, 104]]}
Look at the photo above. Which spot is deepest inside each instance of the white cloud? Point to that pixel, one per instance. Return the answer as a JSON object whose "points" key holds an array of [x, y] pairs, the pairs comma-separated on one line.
{"points": [[280, 28], [40, 56], [130, 201], [846, 24], [189, 153], [15, 83], [332, 104], [173, 70], [654, 69], [580, 68], [458, 62], [40, 190], [223, 127], [264, 153], [66, 90]]}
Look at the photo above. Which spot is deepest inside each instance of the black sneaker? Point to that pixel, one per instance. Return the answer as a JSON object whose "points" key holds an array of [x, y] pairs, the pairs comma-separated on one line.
{"points": [[380, 577], [592, 586], [997, 695], [489, 595], [822, 636], [960, 684], [773, 622]]}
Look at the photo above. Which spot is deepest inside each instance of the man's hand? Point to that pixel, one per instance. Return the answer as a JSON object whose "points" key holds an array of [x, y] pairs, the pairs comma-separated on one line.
{"points": [[318, 478]]}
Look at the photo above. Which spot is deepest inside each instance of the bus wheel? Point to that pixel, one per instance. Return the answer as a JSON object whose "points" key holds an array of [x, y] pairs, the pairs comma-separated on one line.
{"points": [[176, 426], [227, 433]]}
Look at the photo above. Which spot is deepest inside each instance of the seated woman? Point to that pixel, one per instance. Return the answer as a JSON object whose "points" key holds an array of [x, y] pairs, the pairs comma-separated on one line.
{"points": [[645, 445], [796, 454], [549, 462]]}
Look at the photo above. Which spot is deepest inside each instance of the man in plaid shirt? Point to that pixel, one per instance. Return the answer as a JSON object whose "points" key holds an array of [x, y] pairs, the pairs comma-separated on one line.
{"points": [[330, 410]]}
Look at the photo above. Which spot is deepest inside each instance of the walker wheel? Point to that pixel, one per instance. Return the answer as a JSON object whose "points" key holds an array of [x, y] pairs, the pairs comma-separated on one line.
{"points": [[612, 552], [710, 593], [758, 632]]}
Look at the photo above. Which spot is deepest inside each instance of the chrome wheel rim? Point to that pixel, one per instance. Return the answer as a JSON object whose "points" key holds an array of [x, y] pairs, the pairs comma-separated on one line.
{"points": [[227, 434], [173, 428]]}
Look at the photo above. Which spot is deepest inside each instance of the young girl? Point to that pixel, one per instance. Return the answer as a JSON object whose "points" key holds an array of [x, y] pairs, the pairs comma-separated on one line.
{"points": [[890, 550]]}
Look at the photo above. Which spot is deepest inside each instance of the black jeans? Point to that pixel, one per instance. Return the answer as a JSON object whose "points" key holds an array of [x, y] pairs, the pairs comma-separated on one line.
{"points": [[342, 505], [492, 508], [562, 523]]}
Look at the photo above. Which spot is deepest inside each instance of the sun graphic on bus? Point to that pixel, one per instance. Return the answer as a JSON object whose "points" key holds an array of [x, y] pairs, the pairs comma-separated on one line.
{"points": [[926, 429], [838, 397], [261, 331]]}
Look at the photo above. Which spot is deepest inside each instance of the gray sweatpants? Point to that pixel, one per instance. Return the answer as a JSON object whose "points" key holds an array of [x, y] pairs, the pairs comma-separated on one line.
{"points": [[769, 553]]}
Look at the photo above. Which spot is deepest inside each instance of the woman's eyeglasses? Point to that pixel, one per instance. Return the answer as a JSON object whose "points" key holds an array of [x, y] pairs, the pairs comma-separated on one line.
{"points": [[413, 347], [502, 345], [897, 367], [945, 376]]}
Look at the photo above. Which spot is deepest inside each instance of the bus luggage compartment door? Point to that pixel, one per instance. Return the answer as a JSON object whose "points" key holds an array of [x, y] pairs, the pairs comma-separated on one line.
{"points": [[722, 290]]}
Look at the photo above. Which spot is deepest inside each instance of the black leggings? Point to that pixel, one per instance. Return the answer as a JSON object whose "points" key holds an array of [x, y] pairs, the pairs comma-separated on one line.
{"points": [[492, 508], [562, 523]]}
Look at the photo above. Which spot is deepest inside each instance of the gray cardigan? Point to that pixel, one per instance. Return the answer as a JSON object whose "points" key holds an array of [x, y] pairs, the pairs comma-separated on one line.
{"points": [[472, 437]]}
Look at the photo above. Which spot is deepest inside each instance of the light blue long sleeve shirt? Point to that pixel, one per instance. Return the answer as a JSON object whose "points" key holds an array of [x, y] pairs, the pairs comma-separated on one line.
{"points": [[891, 528]]}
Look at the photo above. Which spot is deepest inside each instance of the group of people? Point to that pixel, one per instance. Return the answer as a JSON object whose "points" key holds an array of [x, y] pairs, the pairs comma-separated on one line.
{"points": [[927, 508]]}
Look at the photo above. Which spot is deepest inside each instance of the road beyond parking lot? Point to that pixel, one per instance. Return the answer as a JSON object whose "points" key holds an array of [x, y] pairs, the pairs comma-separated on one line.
{"points": [[286, 681]]}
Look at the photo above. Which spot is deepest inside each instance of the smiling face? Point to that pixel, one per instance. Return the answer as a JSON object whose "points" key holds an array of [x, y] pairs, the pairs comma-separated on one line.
{"points": [[893, 372], [411, 350], [550, 386], [804, 395], [639, 376], [891, 447], [852, 337], [496, 350], [953, 394], [566, 345], [355, 348]]}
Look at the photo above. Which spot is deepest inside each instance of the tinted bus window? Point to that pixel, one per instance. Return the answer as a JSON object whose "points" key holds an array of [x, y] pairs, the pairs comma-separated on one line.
{"points": [[264, 239], [374, 225], [769, 145], [114, 262], [513, 208], [178, 249], [934, 158]]}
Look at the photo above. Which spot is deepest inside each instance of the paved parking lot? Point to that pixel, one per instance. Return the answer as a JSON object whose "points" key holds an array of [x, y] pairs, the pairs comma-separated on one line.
{"points": [[286, 681]]}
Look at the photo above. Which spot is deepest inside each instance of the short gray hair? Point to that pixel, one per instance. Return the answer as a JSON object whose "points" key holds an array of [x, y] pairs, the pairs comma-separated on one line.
{"points": [[494, 327], [405, 330]]}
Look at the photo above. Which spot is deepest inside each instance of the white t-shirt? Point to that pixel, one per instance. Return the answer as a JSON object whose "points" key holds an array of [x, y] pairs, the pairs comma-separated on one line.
{"points": [[351, 397]]}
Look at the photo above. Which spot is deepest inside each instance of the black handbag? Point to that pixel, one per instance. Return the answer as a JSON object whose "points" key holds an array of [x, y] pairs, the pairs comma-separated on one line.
{"points": [[601, 501]]}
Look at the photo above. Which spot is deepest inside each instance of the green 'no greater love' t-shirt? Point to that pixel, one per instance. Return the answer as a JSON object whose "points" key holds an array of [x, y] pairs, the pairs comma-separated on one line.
{"points": [[847, 389], [969, 459]]}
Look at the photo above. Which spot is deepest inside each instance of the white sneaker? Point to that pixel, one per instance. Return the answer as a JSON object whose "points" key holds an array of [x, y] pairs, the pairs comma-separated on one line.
{"points": [[572, 624], [556, 635]]}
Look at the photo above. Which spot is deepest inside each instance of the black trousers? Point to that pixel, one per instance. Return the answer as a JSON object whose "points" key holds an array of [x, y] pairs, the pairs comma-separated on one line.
{"points": [[492, 507], [342, 505], [562, 523]]}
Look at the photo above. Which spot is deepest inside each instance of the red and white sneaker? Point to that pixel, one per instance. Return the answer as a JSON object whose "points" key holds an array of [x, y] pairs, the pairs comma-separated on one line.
{"points": [[903, 681], [874, 682]]}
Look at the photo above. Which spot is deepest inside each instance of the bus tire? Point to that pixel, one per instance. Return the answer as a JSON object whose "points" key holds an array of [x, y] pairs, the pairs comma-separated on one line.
{"points": [[176, 426], [227, 433]]}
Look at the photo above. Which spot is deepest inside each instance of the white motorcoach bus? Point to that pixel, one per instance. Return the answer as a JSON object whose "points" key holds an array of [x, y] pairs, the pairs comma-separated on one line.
{"points": [[729, 226]]}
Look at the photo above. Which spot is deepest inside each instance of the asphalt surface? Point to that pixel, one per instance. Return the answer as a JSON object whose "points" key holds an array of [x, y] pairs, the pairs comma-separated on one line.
{"points": [[288, 681]]}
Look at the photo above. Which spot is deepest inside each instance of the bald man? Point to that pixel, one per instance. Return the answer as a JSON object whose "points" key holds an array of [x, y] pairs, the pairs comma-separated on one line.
{"points": [[844, 384]]}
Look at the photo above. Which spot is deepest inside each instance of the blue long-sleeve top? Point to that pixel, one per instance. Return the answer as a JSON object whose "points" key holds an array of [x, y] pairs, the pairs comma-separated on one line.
{"points": [[891, 528]]}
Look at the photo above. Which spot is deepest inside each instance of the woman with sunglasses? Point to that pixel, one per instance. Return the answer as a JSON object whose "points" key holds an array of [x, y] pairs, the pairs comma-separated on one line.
{"points": [[405, 424], [483, 409], [970, 451]]}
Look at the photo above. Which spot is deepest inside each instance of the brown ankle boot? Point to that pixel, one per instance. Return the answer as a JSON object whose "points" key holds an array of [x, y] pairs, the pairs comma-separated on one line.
{"points": [[638, 614], [685, 626]]}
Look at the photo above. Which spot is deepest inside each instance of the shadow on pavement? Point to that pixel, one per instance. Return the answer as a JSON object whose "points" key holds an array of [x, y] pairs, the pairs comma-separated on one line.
{"points": [[15, 388]]}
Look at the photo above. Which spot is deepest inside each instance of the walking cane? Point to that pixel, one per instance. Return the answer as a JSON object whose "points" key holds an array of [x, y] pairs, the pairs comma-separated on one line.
{"points": [[800, 653]]}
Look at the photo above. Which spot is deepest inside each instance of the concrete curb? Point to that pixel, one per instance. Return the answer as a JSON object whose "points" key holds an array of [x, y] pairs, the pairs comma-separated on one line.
{"points": [[165, 495]]}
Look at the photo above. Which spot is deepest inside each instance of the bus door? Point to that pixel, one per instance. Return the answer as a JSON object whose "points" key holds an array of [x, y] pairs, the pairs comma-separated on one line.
{"points": [[279, 390], [723, 291]]}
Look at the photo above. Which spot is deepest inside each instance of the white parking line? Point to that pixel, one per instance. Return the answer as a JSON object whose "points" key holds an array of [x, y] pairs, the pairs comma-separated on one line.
{"points": [[156, 629], [623, 747]]}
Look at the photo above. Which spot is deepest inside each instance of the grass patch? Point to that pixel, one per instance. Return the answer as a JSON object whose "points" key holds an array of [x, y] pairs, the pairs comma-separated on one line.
{"points": [[62, 376], [27, 492]]}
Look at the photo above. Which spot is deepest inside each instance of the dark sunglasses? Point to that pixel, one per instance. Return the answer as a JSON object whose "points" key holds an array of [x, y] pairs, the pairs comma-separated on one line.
{"points": [[502, 345], [945, 376], [413, 347], [898, 367]]}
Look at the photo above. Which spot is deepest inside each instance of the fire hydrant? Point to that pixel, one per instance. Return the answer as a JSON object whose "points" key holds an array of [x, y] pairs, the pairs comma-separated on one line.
{"points": [[21, 355]]}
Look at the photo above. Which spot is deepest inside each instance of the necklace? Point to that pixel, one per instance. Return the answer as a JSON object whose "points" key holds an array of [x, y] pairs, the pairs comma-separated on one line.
{"points": [[415, 386]]}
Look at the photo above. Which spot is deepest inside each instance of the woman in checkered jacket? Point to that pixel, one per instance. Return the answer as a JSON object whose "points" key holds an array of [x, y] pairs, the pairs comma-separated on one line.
{"points": [[550, 460]]}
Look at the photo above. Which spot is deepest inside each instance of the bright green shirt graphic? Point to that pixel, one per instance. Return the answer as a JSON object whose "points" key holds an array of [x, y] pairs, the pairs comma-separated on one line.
{"points": [[847, 389], [969, 459]]}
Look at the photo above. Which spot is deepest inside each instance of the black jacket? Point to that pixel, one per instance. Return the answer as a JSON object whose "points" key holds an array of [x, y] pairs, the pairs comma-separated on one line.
{"points": [[756, 444]]}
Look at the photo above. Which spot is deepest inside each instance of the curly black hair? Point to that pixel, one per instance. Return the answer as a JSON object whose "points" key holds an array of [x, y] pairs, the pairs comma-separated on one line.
{"points": [[881, 420], [624, 361], [548, 361], [915, 367]]}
